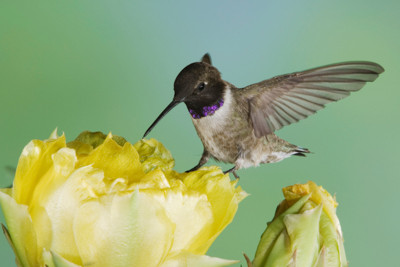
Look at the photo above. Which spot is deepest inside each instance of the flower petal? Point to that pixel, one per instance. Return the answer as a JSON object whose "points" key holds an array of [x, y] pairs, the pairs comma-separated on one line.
{"points": [[7, 191], [47, 258], [332, 253], [318, 195], [34, 161], [64, 161], [115, 160], [279, 254], [153, 155], [10, 242], [224, 199], [53, 259], [189, 229], [62, 206], [53, 212], [123, 230], [21, 230], [273, 233], [186, 259], [303, 231]]}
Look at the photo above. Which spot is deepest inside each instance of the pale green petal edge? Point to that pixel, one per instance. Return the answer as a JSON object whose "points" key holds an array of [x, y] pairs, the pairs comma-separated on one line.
{"points": [[53, 259], [8, 237], [273, 231], [186, 259], [303, 231], [20, 230]]}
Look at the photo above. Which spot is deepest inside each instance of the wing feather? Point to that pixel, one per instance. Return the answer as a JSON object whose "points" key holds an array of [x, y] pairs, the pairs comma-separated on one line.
{"points": [[286, 99]]}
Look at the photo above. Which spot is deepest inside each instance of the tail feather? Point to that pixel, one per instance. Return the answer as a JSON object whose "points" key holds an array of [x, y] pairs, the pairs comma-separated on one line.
{"points": [[299, 151]]}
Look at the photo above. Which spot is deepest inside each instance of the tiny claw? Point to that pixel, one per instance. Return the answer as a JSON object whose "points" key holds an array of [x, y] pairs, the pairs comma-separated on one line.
{"points": [[233, 171], [235, 174]]}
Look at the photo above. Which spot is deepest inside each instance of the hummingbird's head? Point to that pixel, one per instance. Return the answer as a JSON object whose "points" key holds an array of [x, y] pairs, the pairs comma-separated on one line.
{"points": [[198, 85]]}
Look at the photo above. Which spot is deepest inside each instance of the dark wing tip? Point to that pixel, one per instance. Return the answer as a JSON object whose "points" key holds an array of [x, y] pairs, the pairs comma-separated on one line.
{"points": [[380, 69], [344, 72], [375, 67]]}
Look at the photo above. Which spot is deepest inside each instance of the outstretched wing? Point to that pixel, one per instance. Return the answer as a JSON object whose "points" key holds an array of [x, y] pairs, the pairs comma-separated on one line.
{"points": [[289, 98]]}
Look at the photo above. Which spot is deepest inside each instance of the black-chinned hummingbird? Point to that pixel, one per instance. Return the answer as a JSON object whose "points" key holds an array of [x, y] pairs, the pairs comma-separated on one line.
{"points": [[237, 125]]}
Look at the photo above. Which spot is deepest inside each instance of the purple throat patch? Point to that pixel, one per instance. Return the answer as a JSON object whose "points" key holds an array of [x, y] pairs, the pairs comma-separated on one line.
{"points": [[207, 110]]}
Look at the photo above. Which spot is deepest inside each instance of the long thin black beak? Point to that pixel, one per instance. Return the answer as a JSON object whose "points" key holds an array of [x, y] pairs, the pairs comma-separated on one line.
{"points": [[163, 113]]}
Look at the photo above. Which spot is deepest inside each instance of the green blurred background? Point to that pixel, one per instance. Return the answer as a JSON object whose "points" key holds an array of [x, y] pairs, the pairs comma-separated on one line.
{"points": [[110, 66]]}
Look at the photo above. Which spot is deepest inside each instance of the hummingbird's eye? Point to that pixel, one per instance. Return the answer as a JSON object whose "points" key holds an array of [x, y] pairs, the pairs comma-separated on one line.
{"points": [[201, 86]]}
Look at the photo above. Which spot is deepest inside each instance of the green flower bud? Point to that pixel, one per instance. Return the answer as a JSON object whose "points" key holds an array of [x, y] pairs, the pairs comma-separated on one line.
{"points": [[304, 232]]}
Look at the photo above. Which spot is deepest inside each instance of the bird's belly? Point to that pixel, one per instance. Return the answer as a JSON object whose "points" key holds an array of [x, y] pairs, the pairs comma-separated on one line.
{"points": [[219, 137], [218, 142]]}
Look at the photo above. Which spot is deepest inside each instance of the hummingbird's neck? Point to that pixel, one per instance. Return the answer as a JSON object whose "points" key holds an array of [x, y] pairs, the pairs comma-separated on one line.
{"points": [[206, 110]]}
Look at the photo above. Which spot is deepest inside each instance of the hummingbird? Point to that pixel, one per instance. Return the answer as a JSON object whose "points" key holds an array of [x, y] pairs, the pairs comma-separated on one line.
{"points": [[237, 125]]}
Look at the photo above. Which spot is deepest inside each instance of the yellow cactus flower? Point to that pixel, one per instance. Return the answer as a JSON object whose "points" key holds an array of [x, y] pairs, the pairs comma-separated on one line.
{"points": [[101, 201], [304, 232]]}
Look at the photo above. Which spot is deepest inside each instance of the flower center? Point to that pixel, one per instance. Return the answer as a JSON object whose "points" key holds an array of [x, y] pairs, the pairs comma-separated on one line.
{"points": [[207, 110]]}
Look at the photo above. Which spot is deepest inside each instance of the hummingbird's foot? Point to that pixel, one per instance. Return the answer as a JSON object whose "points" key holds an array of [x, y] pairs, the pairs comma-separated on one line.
{"points": [[235, 174], [233, 171], [203, 160]]}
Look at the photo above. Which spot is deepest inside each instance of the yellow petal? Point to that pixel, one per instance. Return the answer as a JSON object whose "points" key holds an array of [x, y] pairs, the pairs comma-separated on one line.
{"points": [[223, 197], [92, 139], [54, 134], [34, 161], [190, 230], [53, 259], [21, 230], [155, 179], [123, 230], [318, 195], [62, 206], [154, 155], [63, 165], [47, 258], [116, 161], [7, 191]]}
